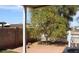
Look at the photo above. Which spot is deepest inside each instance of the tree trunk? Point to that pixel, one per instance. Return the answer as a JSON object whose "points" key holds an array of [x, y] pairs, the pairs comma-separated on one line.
{"points": [[46, 40]]}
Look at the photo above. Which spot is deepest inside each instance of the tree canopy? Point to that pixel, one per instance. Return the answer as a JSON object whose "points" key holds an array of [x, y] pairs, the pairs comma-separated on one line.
{"points": [[67, 11], [48, 20]]}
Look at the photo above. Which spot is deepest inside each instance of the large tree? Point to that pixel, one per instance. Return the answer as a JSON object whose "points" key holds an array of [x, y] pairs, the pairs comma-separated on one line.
{"points": [[46, 21], [51, 21]]}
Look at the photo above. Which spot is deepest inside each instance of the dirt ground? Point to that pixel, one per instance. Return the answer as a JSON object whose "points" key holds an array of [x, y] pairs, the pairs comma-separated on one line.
{"points": [[54, 48], [37, 48]]}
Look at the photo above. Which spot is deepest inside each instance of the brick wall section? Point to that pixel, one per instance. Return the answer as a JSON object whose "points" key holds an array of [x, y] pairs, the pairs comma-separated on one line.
{"points": [[10, 37]]}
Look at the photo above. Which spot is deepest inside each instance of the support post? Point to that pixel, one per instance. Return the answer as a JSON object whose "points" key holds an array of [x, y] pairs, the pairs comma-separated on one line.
{"points": [[69, 38], [24, 29]]}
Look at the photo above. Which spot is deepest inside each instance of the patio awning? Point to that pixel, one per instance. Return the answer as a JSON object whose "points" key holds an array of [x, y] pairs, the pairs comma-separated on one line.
{"points": [[35, 6]]}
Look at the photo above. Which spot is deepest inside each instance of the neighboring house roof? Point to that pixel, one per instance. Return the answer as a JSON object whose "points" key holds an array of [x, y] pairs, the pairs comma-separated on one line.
{"points": [[2, 22], [12, 25], [16, 25], [35, 6]]}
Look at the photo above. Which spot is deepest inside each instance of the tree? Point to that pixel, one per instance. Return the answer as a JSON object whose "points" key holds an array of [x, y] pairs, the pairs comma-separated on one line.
{"points": [[67, 11], [46, 21]]}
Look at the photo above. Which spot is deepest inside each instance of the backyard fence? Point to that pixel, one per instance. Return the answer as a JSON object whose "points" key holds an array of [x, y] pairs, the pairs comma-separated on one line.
{"points": [[10, 37]]}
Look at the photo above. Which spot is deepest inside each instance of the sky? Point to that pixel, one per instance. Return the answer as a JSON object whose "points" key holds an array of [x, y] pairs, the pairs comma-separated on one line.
{"points": [[29, 14], [11, 14], [75, 18]]}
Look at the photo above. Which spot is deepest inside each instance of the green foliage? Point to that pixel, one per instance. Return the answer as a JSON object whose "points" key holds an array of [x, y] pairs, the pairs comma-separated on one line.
{"points": [[67, 10], [47, 20]]}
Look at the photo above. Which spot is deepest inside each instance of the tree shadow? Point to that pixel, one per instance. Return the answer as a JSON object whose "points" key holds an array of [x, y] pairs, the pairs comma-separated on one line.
{"points": [[6, 51], [57, 43]]}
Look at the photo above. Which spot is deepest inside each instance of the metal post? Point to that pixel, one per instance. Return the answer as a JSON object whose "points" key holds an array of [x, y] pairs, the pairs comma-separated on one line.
{"points": [[2, 25], [24, 30]]}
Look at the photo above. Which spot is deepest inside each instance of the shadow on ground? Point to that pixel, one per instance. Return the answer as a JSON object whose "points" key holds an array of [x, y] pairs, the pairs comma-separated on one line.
{"points": [[57, 43], [7, 51]]}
